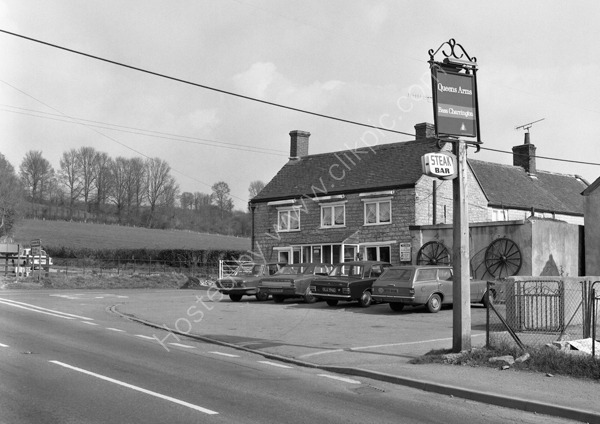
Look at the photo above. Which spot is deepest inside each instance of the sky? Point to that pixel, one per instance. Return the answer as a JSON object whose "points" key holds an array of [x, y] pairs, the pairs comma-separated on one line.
{"points": [[363, 61]]}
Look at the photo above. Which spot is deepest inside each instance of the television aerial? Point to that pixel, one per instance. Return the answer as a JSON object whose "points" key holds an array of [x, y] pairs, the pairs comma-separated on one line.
{"points": [[527, 126]]}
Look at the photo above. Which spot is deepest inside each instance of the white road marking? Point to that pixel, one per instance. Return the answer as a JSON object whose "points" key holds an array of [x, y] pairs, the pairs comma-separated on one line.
{"points": [[89, 323], [229, 355], [335, 377], [35, 310], [3, 345], [145, 337], [41, 310], [182, 345], [115, 329], [274, 364], [322, 352], [139, 389]]}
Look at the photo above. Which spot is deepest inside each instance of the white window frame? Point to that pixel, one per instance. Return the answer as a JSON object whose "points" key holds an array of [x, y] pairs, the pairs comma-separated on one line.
{"points": [[332, 206], [377, 202], [288, 212]]}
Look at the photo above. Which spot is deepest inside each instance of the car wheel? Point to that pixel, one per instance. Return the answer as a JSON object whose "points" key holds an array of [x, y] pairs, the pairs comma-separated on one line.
{"points": [[434, 304], [396, 306], [308, 297], [332, 302], [262, 296], [365, 299], [278, 299], [235, 297]]}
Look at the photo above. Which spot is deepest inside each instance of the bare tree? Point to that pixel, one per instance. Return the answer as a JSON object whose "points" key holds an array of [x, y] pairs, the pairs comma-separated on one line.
{"points": [[221, 197], [88, 167], [201, 199], [157, 181], [103, 178], [70, 178], [35, 170], [186, 200], [255, 188], [136, 185], [11, 197], [119, 187]]}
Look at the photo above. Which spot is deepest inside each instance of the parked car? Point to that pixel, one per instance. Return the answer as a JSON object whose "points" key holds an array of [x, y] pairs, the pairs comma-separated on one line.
{"points": [[294, 281], [349, 281], [244, 281], [429, 285]]}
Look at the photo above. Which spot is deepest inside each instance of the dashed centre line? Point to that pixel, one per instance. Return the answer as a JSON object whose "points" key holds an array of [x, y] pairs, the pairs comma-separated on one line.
{"points": [[335, 377], [3, 345], [274, 364], [229, 355], [88, 323], [144, 337], [115, 329], [182, 345]]}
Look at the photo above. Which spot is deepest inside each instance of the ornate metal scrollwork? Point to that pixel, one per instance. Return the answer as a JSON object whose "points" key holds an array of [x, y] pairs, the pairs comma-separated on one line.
{"points": [[454, 49]]}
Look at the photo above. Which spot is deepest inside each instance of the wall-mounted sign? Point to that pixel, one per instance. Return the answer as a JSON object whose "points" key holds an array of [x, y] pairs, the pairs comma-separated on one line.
{"points": [[440, 165], [405, 252], [455, 103]]}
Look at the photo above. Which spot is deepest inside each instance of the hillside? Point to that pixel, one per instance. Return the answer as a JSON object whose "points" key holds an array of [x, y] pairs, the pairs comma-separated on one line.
{"points": [[98, 236]]}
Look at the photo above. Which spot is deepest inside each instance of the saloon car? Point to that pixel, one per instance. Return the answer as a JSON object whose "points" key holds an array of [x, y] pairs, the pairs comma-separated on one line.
{"points": [[349, 281], [294, 281], [244, 280], [429, 285]]}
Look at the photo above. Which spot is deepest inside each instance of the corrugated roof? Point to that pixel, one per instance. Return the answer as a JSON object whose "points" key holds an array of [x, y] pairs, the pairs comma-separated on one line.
{"points": [[512, 187], [363, 169]]}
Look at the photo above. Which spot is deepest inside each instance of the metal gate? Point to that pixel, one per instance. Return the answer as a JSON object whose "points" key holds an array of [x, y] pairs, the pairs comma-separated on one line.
{"points": [[537, 306]]}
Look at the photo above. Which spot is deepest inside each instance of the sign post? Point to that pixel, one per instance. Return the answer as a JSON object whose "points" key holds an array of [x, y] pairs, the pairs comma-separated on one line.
{"points": [[456, 114]]}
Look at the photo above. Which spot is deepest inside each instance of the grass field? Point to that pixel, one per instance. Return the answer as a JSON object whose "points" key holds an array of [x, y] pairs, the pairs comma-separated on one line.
{"points": [[98, 236]]}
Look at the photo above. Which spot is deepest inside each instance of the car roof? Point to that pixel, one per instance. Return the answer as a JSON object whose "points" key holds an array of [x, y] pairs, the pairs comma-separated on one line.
{"points": [[362, 263], [419, 266]]}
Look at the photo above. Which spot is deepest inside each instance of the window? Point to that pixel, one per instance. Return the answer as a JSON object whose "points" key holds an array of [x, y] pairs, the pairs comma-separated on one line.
{"points": [[377, 253], [333, 216], [288, 220], [426, 275], [378, 212]]}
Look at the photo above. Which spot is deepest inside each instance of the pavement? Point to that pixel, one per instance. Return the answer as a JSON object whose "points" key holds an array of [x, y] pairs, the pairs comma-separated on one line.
{"points": [[307, 336]]}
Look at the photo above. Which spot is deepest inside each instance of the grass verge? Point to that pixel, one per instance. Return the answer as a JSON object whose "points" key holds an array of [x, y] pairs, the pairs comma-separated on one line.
{"points": [[542, 359]]}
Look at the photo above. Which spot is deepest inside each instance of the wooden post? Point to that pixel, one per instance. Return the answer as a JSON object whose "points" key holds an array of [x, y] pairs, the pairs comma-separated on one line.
{"points": [[461, 290]]}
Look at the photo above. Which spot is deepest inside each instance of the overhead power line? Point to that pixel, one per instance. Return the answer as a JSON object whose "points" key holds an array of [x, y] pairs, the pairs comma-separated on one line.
{"points": [[218, 90]]}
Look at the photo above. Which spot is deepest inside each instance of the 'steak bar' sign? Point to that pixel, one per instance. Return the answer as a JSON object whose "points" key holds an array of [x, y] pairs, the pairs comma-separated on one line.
{"points": [[440, 165], [455, 103]]}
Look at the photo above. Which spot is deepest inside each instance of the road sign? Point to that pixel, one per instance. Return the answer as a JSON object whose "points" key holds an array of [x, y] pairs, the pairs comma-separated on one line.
{"points": [[36, 243], [440, 165], [455, 103]]}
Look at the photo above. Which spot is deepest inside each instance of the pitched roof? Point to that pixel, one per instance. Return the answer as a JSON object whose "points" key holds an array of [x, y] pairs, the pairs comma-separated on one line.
{"points": [[363, 169], [512, 187]]}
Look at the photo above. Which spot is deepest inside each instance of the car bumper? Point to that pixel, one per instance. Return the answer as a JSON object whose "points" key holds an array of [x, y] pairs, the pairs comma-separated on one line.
{"points": [[281, 291], [239, 290], [392, 298], [331, 296]]}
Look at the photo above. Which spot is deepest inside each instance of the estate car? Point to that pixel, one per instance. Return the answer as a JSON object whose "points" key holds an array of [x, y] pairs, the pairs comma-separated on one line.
{"points": [[294, 280], [349, 281], [244, 281], [428, 285]]}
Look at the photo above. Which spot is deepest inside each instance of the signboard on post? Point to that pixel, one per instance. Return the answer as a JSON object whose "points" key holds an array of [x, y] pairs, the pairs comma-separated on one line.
{"points": [[455, 103]]}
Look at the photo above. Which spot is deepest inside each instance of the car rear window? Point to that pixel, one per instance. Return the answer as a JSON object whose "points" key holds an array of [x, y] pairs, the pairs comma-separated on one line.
{"points": [[403, 274], [291, 270]]}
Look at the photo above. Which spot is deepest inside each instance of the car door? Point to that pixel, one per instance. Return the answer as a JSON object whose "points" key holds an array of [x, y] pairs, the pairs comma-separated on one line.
{"points": [[426, 284]]}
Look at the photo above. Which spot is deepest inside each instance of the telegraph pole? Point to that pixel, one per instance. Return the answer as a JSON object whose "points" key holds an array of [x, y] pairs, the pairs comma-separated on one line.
{"points": [[456, 114]]}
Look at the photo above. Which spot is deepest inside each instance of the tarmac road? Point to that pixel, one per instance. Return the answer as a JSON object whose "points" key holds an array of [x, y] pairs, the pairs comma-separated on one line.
{"points": [[95, 366]]}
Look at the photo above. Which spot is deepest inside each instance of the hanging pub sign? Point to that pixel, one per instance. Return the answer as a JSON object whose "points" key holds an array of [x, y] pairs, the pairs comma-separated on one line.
{"points": [[440, 165], [455, 102]]}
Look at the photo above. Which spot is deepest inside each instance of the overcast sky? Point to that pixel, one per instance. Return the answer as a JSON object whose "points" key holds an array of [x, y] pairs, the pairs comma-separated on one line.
{"points": [[358, 60]]}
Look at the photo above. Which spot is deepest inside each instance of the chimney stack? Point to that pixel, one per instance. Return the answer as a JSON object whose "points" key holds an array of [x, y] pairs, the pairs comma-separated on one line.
{"points": [[298, 144], [524, 155], [424, 130]]}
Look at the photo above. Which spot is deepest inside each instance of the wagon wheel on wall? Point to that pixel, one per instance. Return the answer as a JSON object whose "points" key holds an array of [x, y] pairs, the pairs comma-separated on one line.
{"points": [[433, 253], [503, 258]]}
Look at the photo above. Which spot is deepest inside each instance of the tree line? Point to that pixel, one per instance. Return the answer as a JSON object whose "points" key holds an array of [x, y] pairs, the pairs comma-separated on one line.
{"points": [[92, 186]]}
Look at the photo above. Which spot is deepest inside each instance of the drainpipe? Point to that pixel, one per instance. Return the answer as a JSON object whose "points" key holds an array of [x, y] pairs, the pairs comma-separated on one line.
{"points": [[252, 239], [434, 201]]}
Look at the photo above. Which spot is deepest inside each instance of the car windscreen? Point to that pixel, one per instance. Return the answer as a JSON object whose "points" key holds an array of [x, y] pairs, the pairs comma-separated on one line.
{"points": [[247, 270], [401, 274]]}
